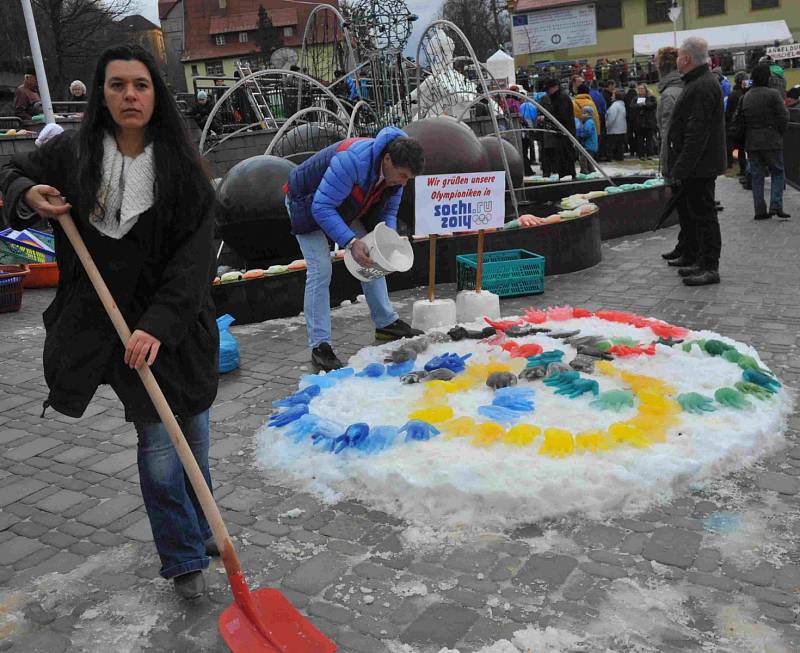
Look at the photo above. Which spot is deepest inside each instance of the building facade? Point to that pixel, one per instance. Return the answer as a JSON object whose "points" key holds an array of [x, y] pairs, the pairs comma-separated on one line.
{"points": [[618, 20], [208, 37]]}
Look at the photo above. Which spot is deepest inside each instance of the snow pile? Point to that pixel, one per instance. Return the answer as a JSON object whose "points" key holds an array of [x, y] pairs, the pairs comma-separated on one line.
{"points": [[453, 484]]}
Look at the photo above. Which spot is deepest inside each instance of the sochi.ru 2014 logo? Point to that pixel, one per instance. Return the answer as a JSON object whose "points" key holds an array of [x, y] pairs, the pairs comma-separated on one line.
{"points": [[463, 214]]}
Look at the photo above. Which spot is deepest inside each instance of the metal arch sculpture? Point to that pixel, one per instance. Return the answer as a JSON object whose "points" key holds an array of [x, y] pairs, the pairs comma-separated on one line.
{"points": [[344, 40], [362, 104], [547, 114], [279, 74], [297, 120], [441, 58]]}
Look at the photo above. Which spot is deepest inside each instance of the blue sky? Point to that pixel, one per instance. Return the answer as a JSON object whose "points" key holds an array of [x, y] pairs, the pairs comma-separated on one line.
{"points": [[425, 9]]}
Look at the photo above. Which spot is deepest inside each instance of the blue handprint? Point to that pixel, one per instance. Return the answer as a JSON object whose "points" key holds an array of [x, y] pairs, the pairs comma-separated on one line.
{"points": [[759, 378], [448, 361], [373, 370], [302, 397], [379, 438], [514, 398], [289, 415], [416, 429], [400, 369]]}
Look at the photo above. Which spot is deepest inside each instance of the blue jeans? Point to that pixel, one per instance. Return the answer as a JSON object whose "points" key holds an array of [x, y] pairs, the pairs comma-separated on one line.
{"points": [[317, 300], [179, 527], [760, 162]]}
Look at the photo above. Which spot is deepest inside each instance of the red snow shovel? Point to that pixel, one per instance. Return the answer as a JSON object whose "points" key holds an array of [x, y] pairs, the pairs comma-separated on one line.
{"points": [[257, 622]]}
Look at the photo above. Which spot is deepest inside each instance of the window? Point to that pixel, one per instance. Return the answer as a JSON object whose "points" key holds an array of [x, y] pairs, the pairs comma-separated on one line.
{"points": [[609, 14], [223, 4], [288, 31], [710, 8], [194, 70], [242, 37], [765, 4], [214, 68], [219, 39], [658, 11]]}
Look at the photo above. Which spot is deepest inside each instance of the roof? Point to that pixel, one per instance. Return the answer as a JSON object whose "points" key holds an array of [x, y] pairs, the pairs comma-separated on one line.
{"points": [[136, 23], [719, 38], [235, 23], [533, 5], [166, 6], [283, 17]]}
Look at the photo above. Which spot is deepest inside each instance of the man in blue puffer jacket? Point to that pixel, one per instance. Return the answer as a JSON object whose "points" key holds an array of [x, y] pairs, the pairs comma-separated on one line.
{"points": [[331, 196]]}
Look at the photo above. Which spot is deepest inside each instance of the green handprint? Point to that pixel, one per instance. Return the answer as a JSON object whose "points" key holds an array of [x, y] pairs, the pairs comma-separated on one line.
{"points": [[732, 356], [687, 346], [732, 398], [750, 363], [747, 388], [716, 347], [693, 402], [614, 400]]}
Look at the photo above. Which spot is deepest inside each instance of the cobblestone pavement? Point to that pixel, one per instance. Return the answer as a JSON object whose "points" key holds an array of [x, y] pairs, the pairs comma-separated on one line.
{"points": [[78, 571]]}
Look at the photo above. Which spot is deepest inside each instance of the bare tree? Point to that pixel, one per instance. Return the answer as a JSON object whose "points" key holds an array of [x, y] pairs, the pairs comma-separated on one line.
{"points": [[484, 22], [267, 37]]}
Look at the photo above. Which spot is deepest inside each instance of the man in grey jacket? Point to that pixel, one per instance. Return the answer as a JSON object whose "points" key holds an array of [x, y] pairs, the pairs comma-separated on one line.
{"points": [[670, 87], [763, 118]]}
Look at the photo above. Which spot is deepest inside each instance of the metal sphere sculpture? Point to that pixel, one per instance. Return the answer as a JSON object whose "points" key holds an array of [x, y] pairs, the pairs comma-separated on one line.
{"points": [[381, 24], [251, 215]]}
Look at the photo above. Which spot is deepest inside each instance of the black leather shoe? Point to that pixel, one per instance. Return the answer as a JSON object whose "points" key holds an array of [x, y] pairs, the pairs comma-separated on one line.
{"points": [[396, 330], [704, 278], [323, 357], [212, 549], [681, 262], [671, 256], [779, 214], [762, 216], [690, 270], [190, 586]]}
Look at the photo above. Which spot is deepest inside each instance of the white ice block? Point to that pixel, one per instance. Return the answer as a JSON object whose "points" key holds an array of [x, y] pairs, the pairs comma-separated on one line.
{"points": [[472, 306], [430, 315]]}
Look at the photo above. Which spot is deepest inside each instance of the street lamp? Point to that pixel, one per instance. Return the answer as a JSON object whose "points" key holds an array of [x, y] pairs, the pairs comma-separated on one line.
{"points": [[674, 13]]}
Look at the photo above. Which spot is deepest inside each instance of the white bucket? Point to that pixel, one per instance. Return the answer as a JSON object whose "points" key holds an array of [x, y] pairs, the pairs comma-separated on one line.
{"points": [[388, 250]]}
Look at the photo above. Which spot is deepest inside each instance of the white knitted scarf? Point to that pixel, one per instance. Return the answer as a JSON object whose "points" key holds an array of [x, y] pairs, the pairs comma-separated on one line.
{"points": [[127, 189]]}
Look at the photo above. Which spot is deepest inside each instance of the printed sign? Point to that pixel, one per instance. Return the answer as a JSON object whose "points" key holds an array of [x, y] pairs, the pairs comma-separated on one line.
{"points": [[791, 51], [554, 29], [466, 201]]}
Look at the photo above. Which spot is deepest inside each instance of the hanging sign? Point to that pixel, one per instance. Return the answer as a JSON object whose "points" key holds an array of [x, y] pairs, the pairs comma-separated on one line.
{"points": [[466, 201], [791, 51], [554, 29]]}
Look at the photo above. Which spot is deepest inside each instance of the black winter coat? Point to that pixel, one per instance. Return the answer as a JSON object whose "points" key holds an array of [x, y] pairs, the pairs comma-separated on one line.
{"points": [[160, 276], [644, 115], [560, 105], [764, 117], [697, 129]]}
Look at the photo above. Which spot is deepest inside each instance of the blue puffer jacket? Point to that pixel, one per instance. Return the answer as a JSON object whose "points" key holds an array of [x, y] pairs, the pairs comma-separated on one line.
{"points": [[329, 190]]}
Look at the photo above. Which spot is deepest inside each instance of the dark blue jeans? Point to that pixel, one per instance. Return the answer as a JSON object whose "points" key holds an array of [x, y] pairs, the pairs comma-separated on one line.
{"points": [[179, 527], [761, 162]]}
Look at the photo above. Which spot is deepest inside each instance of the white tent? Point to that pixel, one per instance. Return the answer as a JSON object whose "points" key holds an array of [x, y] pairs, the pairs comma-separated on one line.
{"points": [[501, 65], [748, 35]]}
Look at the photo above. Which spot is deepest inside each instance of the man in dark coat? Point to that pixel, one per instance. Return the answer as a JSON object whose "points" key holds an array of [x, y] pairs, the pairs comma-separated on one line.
{"points": [[695, 158], [737, 93], [558, 152], [763, 119]]}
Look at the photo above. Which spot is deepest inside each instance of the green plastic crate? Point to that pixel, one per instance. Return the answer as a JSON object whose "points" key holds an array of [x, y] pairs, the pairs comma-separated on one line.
{"points": [[507, 273]]}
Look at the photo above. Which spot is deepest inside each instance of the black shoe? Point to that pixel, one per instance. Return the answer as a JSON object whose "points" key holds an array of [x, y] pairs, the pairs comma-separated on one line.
{"points": [[779, 213], [211, 547], [671, 256], [690, 270], [681, 262], [396, 330], [703, 278], [323, 357], [762, 216], [190, 586], [747, 185]]}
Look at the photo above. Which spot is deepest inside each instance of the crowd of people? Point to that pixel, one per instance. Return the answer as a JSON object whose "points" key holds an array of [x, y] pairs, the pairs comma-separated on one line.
{"points": [[694, 127]]}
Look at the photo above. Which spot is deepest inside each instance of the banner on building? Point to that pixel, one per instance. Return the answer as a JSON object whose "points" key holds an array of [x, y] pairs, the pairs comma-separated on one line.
{"points": [[791, 51], [554, 29], [467, 201]]}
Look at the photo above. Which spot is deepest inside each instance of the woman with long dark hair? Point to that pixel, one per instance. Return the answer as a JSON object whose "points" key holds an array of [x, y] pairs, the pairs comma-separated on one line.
{"points": [[135, 188]]}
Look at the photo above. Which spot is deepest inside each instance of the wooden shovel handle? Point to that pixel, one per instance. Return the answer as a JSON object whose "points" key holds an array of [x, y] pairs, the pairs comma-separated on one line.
{"points": [[196, 478]]}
